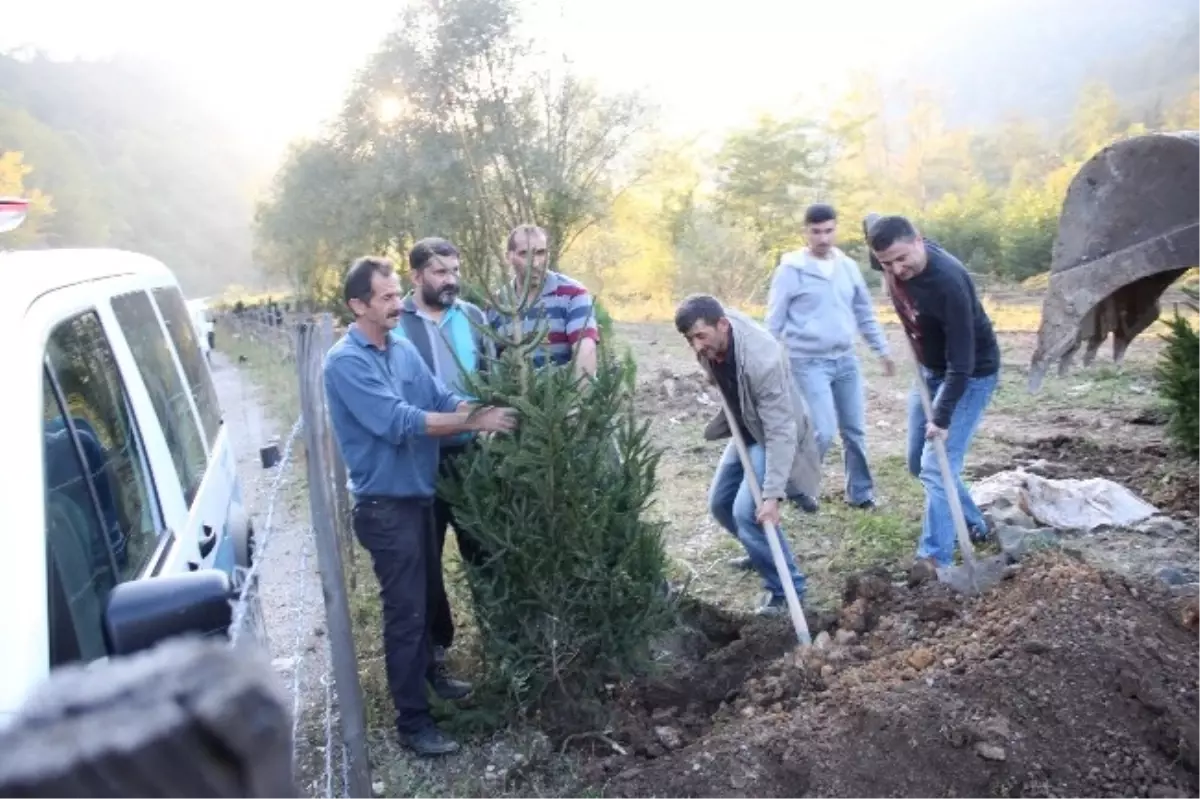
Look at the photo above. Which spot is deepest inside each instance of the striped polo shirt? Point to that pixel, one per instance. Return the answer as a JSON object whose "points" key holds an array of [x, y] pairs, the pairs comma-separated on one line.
{"points": [[445, 344], [565, 310]]}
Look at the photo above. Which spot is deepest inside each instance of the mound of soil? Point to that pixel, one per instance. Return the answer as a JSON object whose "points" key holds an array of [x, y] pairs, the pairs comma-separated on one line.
{"points": [[1163, 478], [1062, 680], [678, 394]]}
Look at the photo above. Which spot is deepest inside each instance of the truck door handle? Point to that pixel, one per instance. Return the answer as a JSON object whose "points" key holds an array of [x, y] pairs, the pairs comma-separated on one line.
{"points": [[207, 541]]}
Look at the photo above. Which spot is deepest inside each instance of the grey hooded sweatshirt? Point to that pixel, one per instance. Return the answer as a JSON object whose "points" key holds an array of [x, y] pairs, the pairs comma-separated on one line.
{"points": [[816, 308]]}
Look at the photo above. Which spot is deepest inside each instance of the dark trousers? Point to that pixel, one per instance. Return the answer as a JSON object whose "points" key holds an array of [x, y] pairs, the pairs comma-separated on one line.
{"points": [[399, 535], [442, 621]]}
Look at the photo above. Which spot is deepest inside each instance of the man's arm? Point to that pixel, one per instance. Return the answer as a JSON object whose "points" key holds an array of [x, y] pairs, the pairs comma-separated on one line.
{"points": [[377, 407], [771, 387], [778, 299], [864, 313], [582, 333], [585, 357], [958, 321]]}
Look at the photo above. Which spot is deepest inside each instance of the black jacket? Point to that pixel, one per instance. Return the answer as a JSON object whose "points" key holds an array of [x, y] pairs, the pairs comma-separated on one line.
{"points": [[952, 332]]}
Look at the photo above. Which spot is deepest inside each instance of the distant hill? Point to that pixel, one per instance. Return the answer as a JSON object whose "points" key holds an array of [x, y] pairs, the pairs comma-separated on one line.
{"points": [[1032, 57], [129, 163]]}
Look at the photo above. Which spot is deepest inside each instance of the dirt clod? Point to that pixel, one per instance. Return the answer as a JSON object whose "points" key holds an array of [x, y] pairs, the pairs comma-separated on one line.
{"points": [[990, 751], [921, 659]]}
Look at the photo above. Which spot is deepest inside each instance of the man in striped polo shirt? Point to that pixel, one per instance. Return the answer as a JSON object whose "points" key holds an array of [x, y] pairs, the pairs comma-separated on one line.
{"points": [[565, 307], [445, 331]]}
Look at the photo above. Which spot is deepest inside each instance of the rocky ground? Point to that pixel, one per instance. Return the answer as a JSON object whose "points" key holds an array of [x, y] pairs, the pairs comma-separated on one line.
{"points": [[1076, 675], [1063, 680]]}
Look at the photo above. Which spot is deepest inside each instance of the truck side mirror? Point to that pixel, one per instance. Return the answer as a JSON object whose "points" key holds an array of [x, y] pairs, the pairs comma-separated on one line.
{"points": [[141, 613]]}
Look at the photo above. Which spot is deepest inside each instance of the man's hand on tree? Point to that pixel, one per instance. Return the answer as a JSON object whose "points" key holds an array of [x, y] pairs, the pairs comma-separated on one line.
{"points": [[494, 420], [933, 432], [768, 512]]}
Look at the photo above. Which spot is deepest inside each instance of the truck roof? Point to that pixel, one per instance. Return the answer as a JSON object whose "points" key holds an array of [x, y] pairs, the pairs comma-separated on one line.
{"points": [[29, 274]]}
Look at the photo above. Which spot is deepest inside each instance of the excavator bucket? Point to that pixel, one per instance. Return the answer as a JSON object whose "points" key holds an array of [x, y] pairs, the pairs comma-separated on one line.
{"points": [[1128, 229]]}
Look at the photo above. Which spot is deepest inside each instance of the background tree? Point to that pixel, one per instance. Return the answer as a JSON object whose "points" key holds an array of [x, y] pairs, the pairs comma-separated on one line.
{"points": [[132, 162], [766, 175], [1178, 375], [13, 172]]}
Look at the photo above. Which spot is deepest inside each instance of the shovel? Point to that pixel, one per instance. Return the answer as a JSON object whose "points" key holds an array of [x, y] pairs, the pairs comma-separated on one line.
{"points": [[974, 575], [785, 578]]}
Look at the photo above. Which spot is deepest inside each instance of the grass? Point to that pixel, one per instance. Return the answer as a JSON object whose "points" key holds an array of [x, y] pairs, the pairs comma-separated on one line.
{"points": [[829, 545], [269, 365]]}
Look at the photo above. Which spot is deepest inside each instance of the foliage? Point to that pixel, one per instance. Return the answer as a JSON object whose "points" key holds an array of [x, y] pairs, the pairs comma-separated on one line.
{"points": [[449, 130], [572, 589], [13, 172], [453, 129], [127, 160], [719, 258], [766, 175], [1178, 375]]}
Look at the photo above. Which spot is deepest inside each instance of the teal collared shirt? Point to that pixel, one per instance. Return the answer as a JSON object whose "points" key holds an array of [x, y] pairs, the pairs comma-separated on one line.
{"points": [[450, 347]]}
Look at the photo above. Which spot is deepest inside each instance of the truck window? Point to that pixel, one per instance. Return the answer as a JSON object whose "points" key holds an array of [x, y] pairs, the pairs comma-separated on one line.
{"points": [[168, 393], [102, 514], [179, 325]]}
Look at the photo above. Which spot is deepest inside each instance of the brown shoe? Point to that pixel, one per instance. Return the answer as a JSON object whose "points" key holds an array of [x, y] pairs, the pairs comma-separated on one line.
{"points": [[923, 570]]}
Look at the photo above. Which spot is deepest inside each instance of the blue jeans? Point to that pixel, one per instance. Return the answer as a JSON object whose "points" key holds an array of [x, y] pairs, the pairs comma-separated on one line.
{"points": [[834, 392], [732, 505], [937, 528]]}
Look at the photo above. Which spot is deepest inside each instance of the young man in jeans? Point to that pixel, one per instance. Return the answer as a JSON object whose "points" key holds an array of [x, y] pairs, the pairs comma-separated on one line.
{"points": [[388, 413], [751, 371], [960, 362], [817, 304]]}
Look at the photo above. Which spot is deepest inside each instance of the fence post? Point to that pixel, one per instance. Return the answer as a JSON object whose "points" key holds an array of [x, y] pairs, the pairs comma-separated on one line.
{"points": [[341, 504], [191, 717], [310, 351], [339, 479]]}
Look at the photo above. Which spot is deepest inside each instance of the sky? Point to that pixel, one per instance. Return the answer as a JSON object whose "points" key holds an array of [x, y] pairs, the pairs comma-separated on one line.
{"points": [[275, 71]]}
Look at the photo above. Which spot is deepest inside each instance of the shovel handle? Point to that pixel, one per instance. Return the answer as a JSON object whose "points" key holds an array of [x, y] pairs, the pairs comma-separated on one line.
{"points": [[785, 578], [948, 481]]}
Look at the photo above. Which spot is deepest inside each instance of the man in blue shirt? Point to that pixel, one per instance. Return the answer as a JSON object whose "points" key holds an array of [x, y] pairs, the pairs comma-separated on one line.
{"points": [[447, 332], [388, 412]]}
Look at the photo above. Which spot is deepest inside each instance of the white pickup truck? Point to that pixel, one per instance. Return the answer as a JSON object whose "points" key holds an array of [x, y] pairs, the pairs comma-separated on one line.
{"points": [[124, 516]]}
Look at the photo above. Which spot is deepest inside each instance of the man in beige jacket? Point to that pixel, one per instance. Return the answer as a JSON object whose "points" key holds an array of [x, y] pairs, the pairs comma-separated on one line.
{"points": [[751, 370]]}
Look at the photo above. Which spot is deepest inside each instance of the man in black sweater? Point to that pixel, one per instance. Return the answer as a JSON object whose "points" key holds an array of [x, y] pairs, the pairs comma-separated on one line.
{"points": [[960, 362]]}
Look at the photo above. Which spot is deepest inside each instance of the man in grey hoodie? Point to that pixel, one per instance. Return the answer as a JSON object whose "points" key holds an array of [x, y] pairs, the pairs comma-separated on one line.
{"points": [[817, 302]]}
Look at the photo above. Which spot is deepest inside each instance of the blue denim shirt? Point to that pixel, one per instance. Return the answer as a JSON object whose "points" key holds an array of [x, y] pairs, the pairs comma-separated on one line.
{"points": [[377, 405]]}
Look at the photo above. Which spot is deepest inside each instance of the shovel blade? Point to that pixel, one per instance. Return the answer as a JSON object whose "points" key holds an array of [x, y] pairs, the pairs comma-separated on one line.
{"points": [[967, 580]]}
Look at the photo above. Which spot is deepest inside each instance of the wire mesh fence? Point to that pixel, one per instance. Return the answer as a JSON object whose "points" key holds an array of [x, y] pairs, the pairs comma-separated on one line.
{"points": [[329, 721]]}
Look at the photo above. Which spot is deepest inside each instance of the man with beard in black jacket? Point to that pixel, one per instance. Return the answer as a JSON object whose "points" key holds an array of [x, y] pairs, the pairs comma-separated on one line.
{"points": [[960, 363]]}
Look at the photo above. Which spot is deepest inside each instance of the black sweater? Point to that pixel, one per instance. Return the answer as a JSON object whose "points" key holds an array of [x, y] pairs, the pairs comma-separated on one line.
{"points": [[952, 333]]}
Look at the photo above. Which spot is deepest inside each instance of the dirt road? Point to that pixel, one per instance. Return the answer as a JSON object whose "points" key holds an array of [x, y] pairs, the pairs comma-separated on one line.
{"points": [[290, 587]]}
